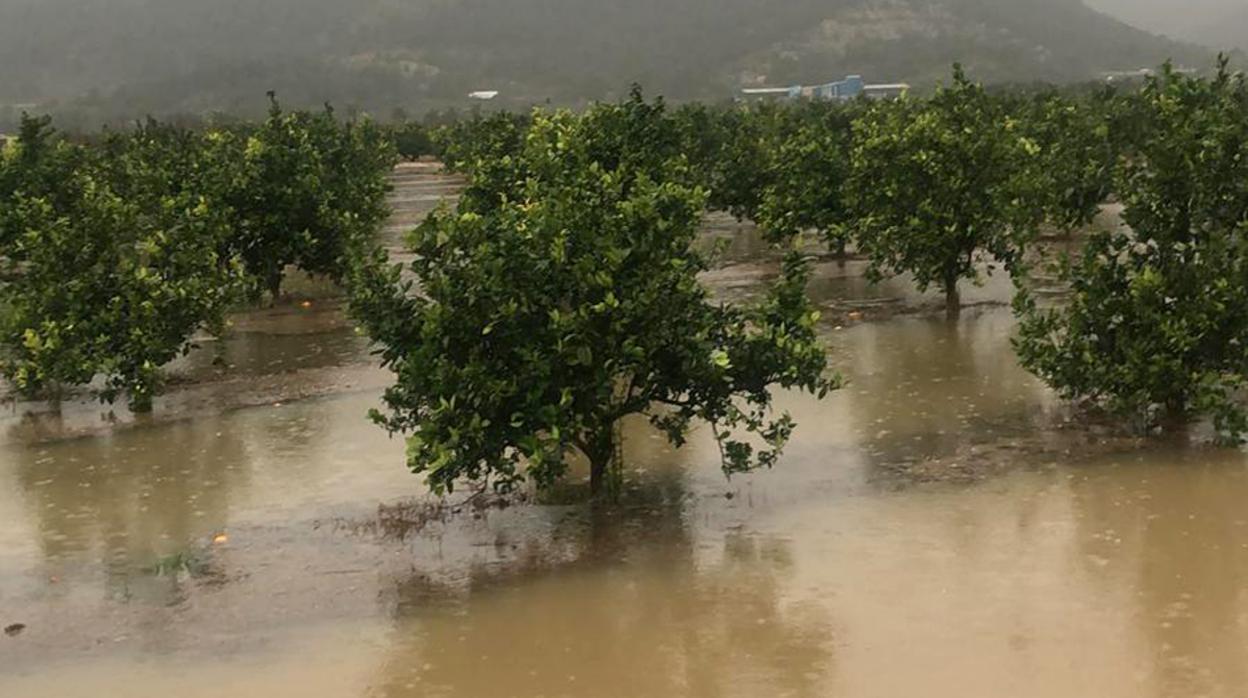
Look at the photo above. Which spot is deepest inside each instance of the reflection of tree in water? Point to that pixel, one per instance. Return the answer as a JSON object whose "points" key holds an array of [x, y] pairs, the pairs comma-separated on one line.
{"points": [[131, 497], [843, 285], [258, 353], [735, 242], [296, 433], [1170, 537], [623, 603], [929, 388]]}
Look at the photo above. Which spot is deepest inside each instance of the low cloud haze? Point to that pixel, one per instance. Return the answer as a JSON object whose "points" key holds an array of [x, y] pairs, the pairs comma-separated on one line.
{"points": [[111, 59], [1220, 24]]}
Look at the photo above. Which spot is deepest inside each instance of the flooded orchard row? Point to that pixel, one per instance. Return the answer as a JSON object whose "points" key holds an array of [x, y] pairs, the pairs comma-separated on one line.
{"points": [[939, 527]]}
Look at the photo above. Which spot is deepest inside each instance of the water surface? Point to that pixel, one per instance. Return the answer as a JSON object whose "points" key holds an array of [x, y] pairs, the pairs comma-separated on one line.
{"points": [[943, 526]]}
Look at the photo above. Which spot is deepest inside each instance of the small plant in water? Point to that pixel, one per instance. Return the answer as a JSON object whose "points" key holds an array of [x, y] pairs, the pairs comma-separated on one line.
{"points": [[188, 562]]}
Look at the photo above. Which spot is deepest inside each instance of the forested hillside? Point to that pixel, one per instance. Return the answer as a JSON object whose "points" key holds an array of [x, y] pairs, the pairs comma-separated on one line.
{"points": [[124, 57]]}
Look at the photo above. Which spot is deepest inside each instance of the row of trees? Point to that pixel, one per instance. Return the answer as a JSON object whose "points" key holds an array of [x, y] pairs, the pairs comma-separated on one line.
{"points": [[561, 295], [115, 254], [940, 188], [533, 335]]}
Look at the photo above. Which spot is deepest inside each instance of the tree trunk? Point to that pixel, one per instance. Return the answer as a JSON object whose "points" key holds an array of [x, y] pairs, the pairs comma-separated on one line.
{"points": [[840, 251], [1175, 417], [953, 298], [273, 283], [600, 455], [598, 476], [56, 395], [141, 403], [602, 465]]}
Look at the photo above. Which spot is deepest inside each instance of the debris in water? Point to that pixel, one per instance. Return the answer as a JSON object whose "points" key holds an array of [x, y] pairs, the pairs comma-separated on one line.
{"points": [[305, 304], [15, 629], [220, 539]]}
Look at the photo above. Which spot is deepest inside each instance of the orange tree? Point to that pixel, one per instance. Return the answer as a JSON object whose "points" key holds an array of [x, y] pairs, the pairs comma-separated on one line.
{"points": [[536, 325], [807, 183], [305, 189], [939, 186], [114, 256], [1077, 153], [1155, 329], [112, 271]]}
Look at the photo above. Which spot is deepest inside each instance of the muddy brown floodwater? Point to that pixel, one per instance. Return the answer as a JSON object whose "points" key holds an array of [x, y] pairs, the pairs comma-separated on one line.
{"points": [[940, 527]]}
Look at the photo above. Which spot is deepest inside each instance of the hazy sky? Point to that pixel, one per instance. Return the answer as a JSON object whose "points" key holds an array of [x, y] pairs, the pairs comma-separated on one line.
{"points": [[119, 59], [1177, 16]]}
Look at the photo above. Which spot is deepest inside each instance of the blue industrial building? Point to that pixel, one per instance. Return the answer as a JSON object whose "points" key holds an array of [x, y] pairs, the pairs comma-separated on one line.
{"points": [[851, 87], [848, 88]]}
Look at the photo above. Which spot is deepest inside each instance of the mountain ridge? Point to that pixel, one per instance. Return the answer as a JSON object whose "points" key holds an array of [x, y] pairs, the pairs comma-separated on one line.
{"points": [[162, 56]]}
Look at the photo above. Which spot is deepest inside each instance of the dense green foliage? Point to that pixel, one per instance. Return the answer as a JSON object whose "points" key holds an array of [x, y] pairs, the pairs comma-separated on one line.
{"points": [[485, 148], [306, 188], [412, 140], [471, 145], [115, 255], [730, 150], [111, 266], [568, 300], [810, 167], [1077, 153], [942, 186], [37, 164], [1156, 327]]}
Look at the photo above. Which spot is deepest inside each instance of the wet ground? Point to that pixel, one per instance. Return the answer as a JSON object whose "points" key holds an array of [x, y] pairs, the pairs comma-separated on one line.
{"points": [[943, 526]]}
